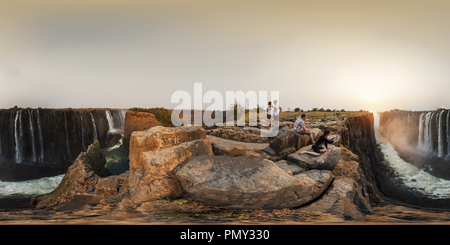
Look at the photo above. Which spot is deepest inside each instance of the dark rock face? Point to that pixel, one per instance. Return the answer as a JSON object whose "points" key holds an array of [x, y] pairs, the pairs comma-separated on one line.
{"points": [[44, 142], [359, 137]]}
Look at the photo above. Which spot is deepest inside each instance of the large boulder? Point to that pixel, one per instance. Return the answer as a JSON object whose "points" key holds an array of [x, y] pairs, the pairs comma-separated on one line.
{"points": [[136, 121], [154, 153], [344, 199], [327, 160], [242, 182], [289, 138], [160, 137]]}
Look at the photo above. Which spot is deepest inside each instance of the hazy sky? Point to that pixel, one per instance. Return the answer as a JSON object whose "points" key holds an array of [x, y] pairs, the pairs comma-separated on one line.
{"points": [[373, 55]]}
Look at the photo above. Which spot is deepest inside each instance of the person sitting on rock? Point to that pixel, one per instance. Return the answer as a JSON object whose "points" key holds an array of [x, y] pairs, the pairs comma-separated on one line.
{"points": [[302, 127], [317, 148]]}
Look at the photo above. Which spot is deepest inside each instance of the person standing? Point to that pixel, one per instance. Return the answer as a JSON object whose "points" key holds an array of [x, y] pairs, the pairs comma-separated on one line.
{"points": [[269, 114], [276, 112]]}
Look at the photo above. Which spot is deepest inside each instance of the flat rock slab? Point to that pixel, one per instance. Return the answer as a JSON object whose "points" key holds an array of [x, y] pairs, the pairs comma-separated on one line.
{"points": [[343, 199], [248, 183], [327, 160], [291, 169], [224, 147]]}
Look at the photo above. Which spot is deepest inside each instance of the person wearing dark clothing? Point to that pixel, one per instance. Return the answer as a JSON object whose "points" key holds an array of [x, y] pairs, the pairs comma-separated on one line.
{"points": [[316, 147]]}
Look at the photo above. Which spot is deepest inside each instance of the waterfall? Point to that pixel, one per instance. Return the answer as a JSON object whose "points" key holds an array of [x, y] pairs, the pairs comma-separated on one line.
{"points": [[421, 126], [41, 142], [448, 133], [67, 135], [426, 134], [110, 121], [17, 156], [94, 127], [33, 147], [82, 132], [440, 136]]}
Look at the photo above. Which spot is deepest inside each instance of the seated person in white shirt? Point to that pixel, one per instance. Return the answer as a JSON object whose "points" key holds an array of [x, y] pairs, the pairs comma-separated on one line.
{"points": [[302, 127]]}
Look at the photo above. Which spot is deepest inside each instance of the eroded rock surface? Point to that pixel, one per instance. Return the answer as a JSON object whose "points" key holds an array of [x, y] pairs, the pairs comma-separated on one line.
{"points": [[243, 182]]}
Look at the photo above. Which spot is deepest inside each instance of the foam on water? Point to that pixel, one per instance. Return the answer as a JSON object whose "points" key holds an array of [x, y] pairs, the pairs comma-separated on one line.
{"points": [[421, 181], [29, 188]]}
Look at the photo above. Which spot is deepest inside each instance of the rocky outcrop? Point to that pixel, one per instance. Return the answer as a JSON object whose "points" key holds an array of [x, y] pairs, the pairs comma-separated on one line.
{"points": [[358, 136], [224, 147], [287, 138], [328, 160], [343, 199], [242, 182], [243, 134], [154, 153], [85, 182], [136, 121]]}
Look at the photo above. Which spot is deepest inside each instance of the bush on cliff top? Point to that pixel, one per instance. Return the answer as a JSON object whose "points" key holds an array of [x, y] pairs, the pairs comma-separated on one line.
{"points": [[161, 114]]}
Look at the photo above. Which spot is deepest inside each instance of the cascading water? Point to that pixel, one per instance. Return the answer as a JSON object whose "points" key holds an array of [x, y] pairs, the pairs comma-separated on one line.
{"points": [[433, 137], [110, 121], [33, 147], [94, 127], [411, 176], [17, 134], [440, 136], [41, 141], [421, 131], [67, 135], [82, 132]]}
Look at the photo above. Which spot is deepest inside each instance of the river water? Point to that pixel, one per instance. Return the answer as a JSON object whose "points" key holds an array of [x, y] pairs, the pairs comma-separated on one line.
{"points": [[411, 176], [29, 188]]}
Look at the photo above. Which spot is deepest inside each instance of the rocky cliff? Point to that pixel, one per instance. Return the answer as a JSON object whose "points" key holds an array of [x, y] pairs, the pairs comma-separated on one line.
{"points": [[358, 136], [43, 142], [174, 162]]}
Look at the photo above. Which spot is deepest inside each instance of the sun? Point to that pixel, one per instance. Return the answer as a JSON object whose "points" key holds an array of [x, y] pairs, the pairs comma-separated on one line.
{"points": [[370, 97]]}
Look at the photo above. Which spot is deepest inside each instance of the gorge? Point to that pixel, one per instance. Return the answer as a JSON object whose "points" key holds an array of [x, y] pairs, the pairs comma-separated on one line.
{"points": [[386, 144], [37, 143]]}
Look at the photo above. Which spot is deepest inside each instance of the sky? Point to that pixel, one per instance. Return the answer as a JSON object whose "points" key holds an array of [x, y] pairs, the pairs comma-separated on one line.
{"points": [[371, 55]]}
